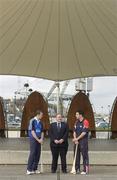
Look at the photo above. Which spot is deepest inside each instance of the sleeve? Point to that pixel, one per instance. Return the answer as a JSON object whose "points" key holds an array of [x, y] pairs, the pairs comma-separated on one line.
{"points": [[74, 128], [51, 132], [33, 126], [85, 126], [65, 137], [42, 128]]}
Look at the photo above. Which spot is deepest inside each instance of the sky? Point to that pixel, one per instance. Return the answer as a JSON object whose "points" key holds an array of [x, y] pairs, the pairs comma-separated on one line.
{"points": [[103, 94]]}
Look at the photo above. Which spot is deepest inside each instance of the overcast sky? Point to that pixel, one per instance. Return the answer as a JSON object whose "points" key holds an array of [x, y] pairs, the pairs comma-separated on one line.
{"points": [[103, 94]]}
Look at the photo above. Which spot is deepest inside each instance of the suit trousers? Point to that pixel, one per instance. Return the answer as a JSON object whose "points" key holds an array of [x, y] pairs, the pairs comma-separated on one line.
{"points": [[56, 151]]}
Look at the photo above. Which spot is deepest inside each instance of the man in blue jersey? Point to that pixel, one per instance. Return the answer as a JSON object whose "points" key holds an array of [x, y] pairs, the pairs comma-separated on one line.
{"points": [[36, 136]]}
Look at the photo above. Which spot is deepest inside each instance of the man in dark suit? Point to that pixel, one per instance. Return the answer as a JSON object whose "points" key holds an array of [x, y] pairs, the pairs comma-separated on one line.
{"points": [[59, 143]]}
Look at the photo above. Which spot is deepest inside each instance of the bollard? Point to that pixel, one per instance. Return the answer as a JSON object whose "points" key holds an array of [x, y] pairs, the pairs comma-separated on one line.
{"points": [[58, 172]]}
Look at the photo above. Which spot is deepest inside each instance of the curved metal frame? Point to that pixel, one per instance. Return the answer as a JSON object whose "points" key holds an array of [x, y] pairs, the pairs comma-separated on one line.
{"points": [[81, 102], [34, 102], [114, 119], [2, 119]]}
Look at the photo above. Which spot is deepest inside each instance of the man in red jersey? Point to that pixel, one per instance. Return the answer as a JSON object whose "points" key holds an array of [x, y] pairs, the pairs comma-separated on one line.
{"points": [[80, 137]]}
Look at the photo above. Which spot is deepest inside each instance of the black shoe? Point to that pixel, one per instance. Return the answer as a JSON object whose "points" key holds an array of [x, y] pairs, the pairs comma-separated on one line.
{"points": [[77, 171], [65, 172], [53, 171]]}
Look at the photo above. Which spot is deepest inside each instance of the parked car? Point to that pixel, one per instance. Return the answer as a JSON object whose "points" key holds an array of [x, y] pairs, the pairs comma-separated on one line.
{"points": [[102, 125]]}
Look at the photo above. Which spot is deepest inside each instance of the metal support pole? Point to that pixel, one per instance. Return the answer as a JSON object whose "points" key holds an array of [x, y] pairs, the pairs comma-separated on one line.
{"points": [[58, 97], [86, 86]]}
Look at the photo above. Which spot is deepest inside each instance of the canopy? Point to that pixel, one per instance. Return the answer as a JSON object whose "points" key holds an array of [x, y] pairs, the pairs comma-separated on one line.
{"points": [[58, 39]]}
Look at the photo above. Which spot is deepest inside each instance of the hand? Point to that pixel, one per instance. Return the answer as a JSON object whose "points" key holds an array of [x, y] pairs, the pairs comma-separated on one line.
{"points": [[56, 141], [61, 141], [40, 141], [74, 140]]}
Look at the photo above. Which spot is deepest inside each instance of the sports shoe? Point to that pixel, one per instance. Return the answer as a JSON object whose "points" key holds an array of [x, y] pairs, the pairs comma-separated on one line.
{"points": [[29, 172], [37, 172], [73, 172], [83, 173]]}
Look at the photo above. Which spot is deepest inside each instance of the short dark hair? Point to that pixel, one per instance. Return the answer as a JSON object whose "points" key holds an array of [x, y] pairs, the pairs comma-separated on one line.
{"points": [[38, 112], [81, 112]]}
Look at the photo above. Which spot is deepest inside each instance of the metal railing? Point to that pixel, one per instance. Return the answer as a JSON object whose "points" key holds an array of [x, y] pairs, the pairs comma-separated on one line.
{"points": [[15, 133]]}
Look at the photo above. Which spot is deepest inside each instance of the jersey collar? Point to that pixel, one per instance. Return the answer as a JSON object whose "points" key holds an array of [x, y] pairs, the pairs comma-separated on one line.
{"points": [[36, 119]]}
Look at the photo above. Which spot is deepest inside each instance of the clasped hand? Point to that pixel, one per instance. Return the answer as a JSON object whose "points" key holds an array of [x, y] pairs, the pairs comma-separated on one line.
{"points": [[75, 140], [59, 141], [40, 141]]}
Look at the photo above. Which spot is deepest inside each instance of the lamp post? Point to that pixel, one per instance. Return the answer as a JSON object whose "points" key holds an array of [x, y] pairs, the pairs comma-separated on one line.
{"points": [[15, 105], [26, 85], [102, 110], [109, 119], [30, 90]]}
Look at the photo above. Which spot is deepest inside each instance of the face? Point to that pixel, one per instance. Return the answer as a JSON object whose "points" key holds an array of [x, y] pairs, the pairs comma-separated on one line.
{"points": [[59, 117], [77, 115], [39, 116]]}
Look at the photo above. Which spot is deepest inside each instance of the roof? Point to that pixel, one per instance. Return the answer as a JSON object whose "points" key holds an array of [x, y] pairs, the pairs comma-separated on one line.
{"points": [[58, 39]]}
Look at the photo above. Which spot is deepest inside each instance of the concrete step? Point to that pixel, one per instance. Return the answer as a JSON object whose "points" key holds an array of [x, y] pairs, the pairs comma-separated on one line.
{"points": [[21, 157]]}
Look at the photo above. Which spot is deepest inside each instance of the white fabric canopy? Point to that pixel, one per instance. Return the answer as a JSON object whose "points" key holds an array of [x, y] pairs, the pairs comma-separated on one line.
{"points": [[58, 39]]}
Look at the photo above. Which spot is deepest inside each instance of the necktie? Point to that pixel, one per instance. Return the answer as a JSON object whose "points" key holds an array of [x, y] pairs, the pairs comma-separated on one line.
{"points": [[59, 127]]}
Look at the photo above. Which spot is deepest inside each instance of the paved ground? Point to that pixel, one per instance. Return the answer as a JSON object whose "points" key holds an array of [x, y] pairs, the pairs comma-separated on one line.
{"points": [[17, 172], [23, 144]]}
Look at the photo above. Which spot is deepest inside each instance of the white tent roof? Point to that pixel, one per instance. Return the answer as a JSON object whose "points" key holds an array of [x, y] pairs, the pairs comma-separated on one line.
{"points": [[58, 39]]}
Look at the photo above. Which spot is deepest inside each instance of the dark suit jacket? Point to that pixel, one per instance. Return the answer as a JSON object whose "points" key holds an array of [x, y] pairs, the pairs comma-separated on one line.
{"points": [[63, 134]]}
